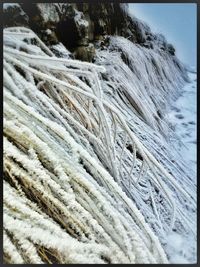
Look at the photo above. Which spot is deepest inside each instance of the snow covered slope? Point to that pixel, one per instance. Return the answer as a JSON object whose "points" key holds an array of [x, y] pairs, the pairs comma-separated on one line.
{"points": [[135, 86], [183, 117], [93, 172]]}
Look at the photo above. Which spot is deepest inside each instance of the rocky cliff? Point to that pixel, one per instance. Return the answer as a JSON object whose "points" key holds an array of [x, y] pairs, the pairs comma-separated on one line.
{"points": [[82, 26]]}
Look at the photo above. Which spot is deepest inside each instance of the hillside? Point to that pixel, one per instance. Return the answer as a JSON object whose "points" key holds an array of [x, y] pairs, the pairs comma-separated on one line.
{"points": [[90, 172]]}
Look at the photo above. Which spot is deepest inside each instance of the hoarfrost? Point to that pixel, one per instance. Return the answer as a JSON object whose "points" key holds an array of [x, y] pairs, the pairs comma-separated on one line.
{"points": [[85, 152]]}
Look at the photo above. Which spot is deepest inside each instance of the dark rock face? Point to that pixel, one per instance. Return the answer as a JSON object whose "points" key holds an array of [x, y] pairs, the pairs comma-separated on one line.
{"points": [[13, 15], [85, 53], [42, 23], [171, 49], [82, 26]]}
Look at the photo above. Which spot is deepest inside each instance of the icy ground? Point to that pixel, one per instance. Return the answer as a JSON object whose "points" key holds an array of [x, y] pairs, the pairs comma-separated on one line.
{"points": [[183, 118]]}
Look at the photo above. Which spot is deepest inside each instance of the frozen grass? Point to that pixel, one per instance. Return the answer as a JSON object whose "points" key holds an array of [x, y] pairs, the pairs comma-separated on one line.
{"points": [[81, 186]]}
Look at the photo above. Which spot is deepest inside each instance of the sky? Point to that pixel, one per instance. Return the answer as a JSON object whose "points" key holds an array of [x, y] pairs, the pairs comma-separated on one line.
{"points": [[177, 22]]}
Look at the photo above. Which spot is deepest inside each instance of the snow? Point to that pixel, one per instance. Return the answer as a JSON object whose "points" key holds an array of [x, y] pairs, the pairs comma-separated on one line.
{"points": [[7, 5], [49, 12], [178, 248], [183, 118], [79, 18], [151, 90], [132, 238], [61, 50], [48, 31], [141, 218]]}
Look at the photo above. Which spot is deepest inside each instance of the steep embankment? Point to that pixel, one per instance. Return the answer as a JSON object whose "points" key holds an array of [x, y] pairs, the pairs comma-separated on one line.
{"points": [[87, 156]]}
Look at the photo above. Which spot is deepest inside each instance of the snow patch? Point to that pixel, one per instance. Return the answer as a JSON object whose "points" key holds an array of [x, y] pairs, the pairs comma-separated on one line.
{"points": [[183, 118], [61, 50], [12, 5], [79, 19]]}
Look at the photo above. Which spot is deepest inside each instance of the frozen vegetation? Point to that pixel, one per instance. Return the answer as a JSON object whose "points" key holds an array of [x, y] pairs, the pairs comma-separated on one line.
{"points": [[93, 171]]}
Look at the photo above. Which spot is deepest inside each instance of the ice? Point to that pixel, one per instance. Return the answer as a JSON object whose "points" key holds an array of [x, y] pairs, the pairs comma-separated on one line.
{"points": [[89, 119], [61, 50]]}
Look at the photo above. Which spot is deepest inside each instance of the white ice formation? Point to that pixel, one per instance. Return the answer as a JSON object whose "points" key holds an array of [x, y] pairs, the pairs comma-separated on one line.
{"points": [[89, 175]]}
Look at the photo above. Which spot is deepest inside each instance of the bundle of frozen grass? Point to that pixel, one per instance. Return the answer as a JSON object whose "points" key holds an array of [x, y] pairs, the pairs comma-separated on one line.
{"points": [[68, 156]]}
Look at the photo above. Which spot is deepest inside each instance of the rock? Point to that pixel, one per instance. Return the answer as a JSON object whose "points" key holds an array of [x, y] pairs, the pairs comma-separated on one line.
{"points": [[171, 49], [48, 13], [85, 53], [79, 25], [13, 15]]}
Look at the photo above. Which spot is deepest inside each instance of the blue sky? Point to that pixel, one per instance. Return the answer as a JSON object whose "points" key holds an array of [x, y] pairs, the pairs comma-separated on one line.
{"points": [[178, 22]]}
